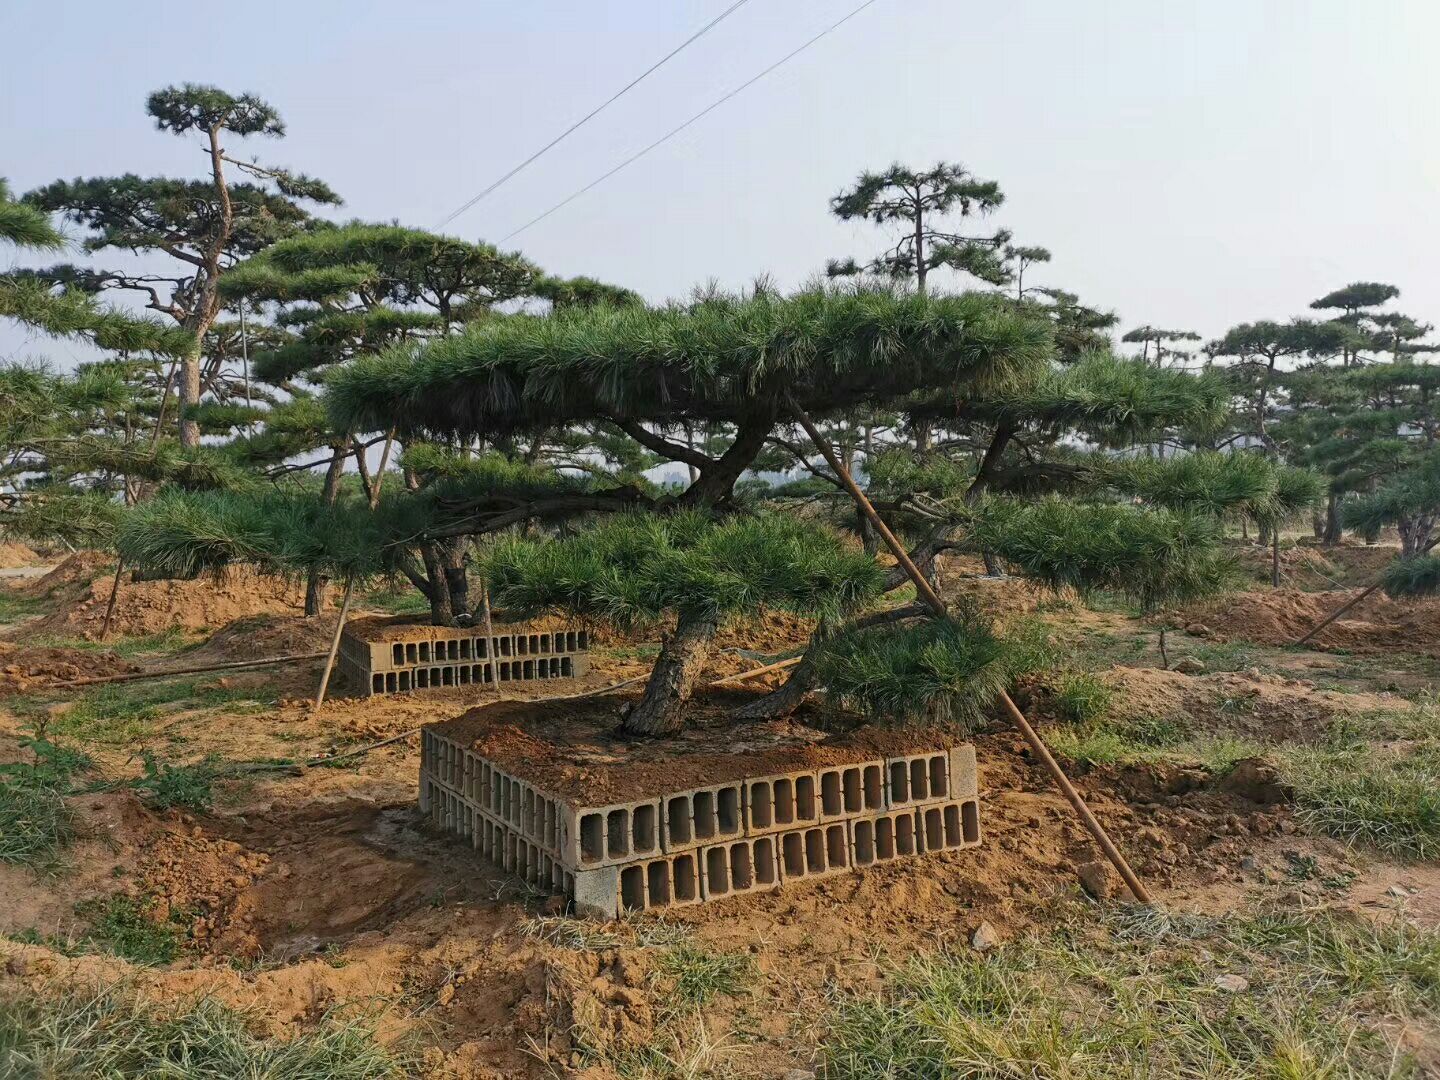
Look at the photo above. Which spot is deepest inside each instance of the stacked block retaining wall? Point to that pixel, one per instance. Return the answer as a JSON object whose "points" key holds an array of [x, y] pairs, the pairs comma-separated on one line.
{"points": [[431, 657], [699, 844]]}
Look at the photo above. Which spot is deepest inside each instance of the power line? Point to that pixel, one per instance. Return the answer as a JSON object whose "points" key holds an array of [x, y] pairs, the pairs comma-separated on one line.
{"points": [[598, 109], [703, 112]]}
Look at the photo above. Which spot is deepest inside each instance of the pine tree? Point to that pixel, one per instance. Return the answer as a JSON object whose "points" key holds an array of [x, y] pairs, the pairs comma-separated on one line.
{"points": [[203, 225]]}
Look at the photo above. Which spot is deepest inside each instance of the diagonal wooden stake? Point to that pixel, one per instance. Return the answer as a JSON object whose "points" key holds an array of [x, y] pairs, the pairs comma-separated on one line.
{"points": [[1343, 608], [933, 601], [335, 643]]}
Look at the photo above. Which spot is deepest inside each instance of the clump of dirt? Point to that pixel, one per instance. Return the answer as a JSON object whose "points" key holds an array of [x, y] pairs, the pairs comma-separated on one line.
{"points": [[1280, 616], [14, 555], [259, 637], [199, 876], [769, 632], [23, 669], [81, 586], [1268, 708]]}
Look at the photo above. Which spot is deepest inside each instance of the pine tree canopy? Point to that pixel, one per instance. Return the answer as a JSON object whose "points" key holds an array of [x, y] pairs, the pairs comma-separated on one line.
{"points": [[207, 108], [24, 226], [725, 359], [632, 569], [1415, 576], [1357, 295]]}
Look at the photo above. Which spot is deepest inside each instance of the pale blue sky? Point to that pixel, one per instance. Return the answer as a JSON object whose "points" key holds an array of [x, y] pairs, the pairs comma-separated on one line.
{"points": [[1191, 164]]}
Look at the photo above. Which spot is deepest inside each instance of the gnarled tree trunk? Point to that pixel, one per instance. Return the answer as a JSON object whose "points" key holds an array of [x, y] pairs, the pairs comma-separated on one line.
{"points": [[661, 711]]}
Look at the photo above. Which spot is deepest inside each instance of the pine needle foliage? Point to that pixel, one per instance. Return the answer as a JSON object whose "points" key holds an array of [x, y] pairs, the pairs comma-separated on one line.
{"points": [[1223, 485], [721, 358], [24, 226], [940, 670], [186, 534], [1416, 576], [632, 569], [1157, 557]]}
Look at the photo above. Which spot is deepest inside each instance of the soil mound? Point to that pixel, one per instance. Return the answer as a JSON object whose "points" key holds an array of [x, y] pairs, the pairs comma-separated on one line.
{"points": [[1267, 708], [1278, 617], [13, 555], [260, 637], [82, 584], [23, 669]]}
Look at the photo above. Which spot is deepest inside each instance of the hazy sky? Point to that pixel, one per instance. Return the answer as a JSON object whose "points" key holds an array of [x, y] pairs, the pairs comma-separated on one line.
{"points": [[1191, 164]]}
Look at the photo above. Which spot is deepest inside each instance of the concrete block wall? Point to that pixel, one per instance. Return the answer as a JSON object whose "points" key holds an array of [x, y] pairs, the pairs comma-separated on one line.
{"points": [[700, 844], [438, 656]]}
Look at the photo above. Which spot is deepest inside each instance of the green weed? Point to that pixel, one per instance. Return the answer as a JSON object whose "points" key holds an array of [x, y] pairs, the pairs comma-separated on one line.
{"points": [[164, 786], [1082, 698], [35, 823], [694, 975], [122, 925], [114, 1033], [1138, 997]]}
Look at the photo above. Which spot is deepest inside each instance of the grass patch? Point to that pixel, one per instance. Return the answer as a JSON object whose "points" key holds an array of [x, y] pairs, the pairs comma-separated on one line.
{"points": [[114, 1033], [693, 976], [405, 601], [1386, 798], [164, 786], [35, 823], [174, 640], [1082, 698], [1136, 996], [122, 926], [120, 713], [15, 606]]}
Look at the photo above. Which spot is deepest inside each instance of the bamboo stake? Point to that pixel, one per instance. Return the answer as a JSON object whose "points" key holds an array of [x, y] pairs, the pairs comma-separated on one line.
{"points": [[932, 599], [114, 595], [335, 642], [742, 676], [1343, 608]]}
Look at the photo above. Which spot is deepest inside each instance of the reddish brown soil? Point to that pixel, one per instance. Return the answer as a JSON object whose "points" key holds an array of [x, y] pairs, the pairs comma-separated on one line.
{"points": [[13, 555], [1279, 616], [23, 669], [260, 637], [572, 750], [80, 587]]}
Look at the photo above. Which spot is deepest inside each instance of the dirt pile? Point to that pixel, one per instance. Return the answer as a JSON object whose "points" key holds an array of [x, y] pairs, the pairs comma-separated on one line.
{"points": [[199, 877], [1255, 705], [259, 637], [13, 555], [1280, 616], [23, 669], [81, 587]]}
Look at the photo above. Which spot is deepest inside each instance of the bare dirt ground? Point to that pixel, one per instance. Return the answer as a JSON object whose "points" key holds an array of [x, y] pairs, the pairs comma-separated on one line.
{"points": [[298, 891]]}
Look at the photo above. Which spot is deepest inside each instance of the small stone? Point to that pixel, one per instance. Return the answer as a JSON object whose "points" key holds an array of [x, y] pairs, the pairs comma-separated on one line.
{"points": [[1232, 984], [1197, 629], [984, 938], [1248, 863], [799, 1074], [1099, 879], [1397, 890], [1188, 665], [445, 995]]}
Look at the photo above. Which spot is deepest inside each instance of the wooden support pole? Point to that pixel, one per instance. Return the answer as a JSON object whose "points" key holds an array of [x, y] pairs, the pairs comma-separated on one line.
{"points": [[206, 669], [933, 601], [1343, 608], [335, 642], [110, 605], [753, 673]]}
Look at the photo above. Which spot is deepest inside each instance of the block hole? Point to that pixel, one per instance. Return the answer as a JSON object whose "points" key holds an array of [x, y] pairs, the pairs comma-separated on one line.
{"points": [[837, 846], [728, 810], [390, 682], [792, 852], [424, 652], [874, 785], [815, 851], [831, 801], [939, 776], [766, 869], [934, 830], [954, 837], [905, 839], [377, 684], [677, 819], [717, 876], [742, 872], [632, 888], [885, 839], [617, 831], [592, 838], [970, 822], [398, 653], [761, 813], [566, 667], [658, 878], [864, 843], [686, 878], [643, 829], [899, 782], [919, 779], [854, 793], [705, 817]]}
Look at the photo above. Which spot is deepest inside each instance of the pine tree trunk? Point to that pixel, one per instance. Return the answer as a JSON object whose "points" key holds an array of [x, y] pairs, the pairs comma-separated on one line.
{"points": [[1332, 522], [662, 710], [441, 613], [189, 394], [317, 583]]}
